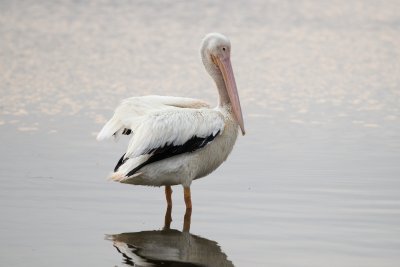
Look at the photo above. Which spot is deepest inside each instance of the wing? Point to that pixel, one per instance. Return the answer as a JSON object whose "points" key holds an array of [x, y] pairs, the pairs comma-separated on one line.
{"points": [[133, 111], [175, 129], [161, 153], [165, 134]]}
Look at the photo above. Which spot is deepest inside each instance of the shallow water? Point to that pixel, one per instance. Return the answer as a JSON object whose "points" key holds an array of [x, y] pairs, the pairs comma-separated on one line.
{"points": [[315, 181]]}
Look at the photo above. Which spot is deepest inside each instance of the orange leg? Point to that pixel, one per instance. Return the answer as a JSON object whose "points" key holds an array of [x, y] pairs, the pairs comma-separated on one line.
{"points": [[188, 198], [186, 220], [168, 218], [168, 195]]}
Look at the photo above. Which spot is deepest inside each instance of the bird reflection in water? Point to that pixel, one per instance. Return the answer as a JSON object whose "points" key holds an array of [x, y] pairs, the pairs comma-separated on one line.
{"points": [[169, 247]]}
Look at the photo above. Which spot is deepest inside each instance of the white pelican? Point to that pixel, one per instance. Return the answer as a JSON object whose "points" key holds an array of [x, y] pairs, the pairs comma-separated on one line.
{"points": [[176, 140]]}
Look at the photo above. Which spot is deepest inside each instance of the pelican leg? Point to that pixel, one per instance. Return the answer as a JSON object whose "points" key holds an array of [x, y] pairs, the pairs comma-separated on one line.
{"points": [[188, 198], [168, 218], [186, 220], [168, 195]]}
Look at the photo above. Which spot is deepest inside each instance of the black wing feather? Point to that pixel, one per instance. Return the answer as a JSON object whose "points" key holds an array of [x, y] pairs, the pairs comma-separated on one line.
{"points": [[170, 150], [120, 162]]}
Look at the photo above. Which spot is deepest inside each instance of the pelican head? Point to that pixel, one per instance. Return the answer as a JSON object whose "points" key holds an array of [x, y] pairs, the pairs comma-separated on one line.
{"points": [[216, 53]]}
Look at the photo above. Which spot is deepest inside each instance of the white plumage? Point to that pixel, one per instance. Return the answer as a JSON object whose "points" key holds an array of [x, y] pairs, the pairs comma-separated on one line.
{"points": [[160, 120], [176, 140], [132, 112]]}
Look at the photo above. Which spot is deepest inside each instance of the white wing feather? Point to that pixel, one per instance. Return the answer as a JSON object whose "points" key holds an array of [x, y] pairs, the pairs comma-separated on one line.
{"points": [[133, 111], [174, 126], [157, 121]]}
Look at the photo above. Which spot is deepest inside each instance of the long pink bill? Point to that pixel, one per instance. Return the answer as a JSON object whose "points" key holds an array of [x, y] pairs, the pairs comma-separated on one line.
{"points": [[227, 73]]}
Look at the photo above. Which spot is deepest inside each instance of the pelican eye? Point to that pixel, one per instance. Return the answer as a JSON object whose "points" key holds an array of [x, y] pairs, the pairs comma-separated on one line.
{"points": [[223, 48]]}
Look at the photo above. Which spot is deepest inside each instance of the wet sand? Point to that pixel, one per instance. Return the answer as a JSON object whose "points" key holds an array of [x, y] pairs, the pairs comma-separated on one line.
{"points": [[315, 181]]}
